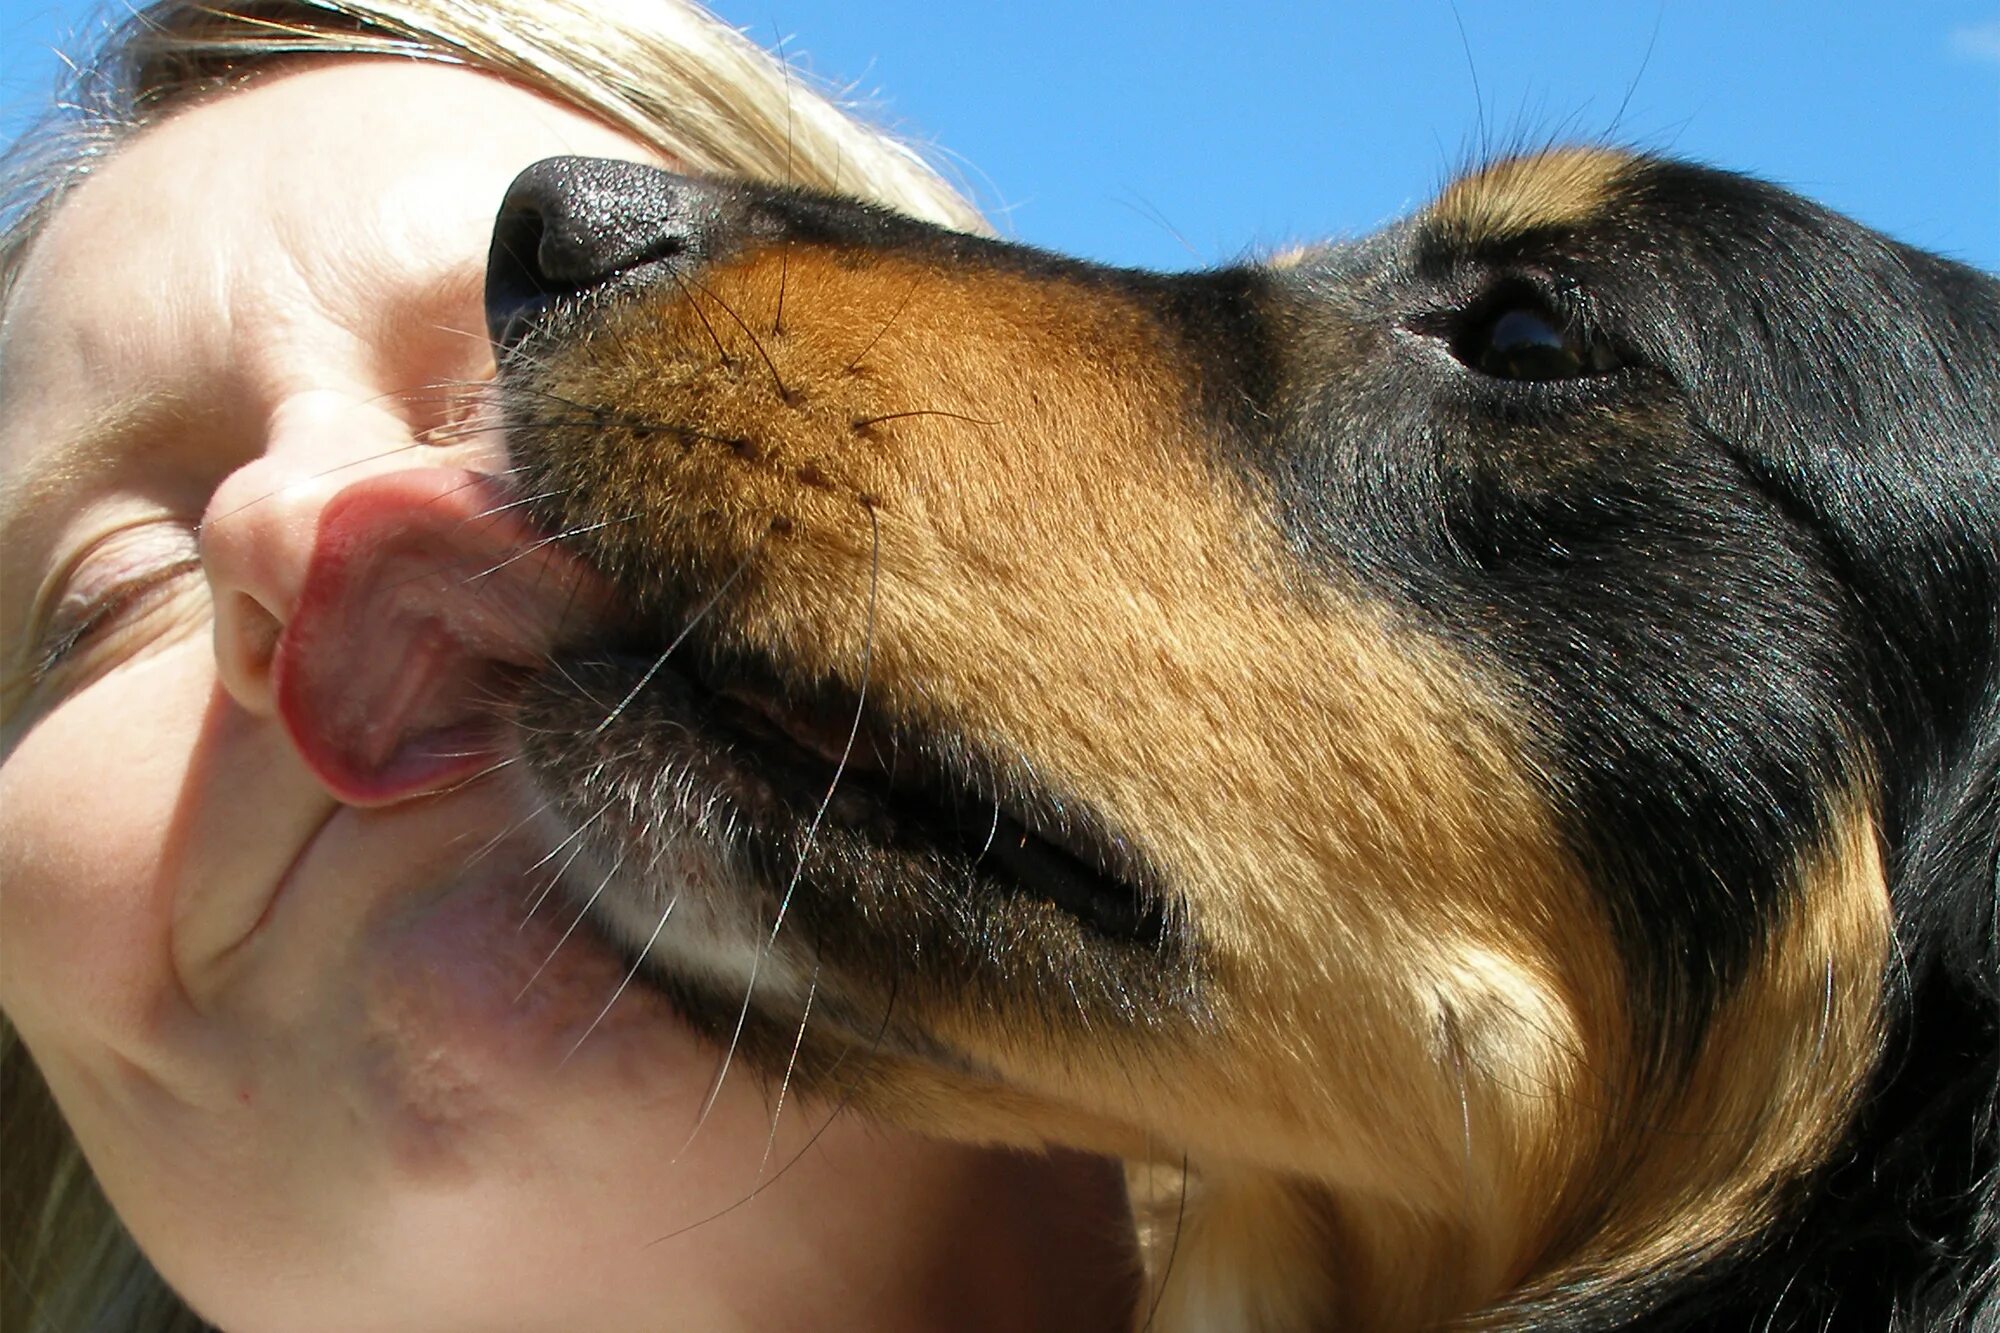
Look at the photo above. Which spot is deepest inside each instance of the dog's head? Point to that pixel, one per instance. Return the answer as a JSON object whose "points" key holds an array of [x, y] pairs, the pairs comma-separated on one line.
{"points": [[1463, 718]]}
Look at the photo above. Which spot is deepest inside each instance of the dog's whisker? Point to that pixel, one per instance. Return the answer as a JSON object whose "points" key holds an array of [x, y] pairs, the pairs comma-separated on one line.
{"points": [[507, 834], [512, 504], [538, 893], [784, 277], [722, 352], [812, 829], [791, 1063], [887, 324], [638, 961], [834, 1113], [791, 94], [862, 423], [582, 911], [853, 730], [575, 845], [478, 775], [777, 380], [660, 661], [992, 832], [213, 520], [535, 547]]}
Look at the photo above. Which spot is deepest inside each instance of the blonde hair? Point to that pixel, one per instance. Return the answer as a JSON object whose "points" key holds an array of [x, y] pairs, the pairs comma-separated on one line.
{"points": [[663, 71]]}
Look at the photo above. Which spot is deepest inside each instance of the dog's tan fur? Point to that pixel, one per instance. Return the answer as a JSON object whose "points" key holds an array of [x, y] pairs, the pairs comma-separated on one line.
{"points": [[1525, 194]]}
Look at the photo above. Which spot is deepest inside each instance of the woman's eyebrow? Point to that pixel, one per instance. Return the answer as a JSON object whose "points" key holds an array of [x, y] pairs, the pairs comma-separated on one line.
{"points": [[39, 490]]}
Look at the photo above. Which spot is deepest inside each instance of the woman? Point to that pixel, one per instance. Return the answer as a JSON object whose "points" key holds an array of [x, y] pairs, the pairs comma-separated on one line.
{"points": [[346, 1068]]}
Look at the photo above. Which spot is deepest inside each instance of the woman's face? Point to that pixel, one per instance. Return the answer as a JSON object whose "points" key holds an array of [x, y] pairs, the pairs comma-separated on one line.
{"points": [[328, 1061]]}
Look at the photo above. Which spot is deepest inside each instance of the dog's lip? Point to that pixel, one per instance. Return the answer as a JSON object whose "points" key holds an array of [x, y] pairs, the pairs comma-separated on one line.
{"points": [[424, 590], [831, 753]]}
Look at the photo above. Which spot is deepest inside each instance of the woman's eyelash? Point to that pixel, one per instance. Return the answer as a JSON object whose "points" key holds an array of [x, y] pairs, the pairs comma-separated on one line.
{"points": [[74, 629]]}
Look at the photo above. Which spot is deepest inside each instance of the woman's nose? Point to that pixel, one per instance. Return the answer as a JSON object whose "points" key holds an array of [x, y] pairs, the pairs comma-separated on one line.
{"points": [[257, 534], [374, 604]]}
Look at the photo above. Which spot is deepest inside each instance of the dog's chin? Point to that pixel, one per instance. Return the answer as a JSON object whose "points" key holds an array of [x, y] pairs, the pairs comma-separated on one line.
{"points": [[762, 848]]}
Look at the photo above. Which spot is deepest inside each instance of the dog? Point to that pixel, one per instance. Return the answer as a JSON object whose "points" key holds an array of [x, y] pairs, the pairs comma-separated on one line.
{"points": [[1469, 757]]}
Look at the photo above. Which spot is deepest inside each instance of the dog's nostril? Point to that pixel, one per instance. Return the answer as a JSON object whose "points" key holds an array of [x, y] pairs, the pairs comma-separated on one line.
{"points": [[518, 287], [569, 224]]}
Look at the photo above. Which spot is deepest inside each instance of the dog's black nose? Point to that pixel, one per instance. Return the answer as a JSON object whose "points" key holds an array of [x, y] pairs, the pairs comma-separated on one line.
{"points": [[569, 224]]}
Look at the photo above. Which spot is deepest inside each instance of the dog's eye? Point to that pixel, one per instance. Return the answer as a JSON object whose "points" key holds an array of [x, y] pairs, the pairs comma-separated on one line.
{"points": [[1519, 341]]}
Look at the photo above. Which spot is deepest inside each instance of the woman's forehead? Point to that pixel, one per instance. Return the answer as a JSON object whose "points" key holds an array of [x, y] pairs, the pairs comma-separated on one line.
{"points": [[339, 180], [292, 235], [321, 191]]}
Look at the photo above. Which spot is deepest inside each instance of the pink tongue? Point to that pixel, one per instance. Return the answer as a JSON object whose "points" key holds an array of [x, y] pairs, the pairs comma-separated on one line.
{"points": [[422, 595]]}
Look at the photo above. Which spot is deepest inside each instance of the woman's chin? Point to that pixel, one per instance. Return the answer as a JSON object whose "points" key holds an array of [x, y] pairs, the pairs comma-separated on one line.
{"points": [[491, 976]]}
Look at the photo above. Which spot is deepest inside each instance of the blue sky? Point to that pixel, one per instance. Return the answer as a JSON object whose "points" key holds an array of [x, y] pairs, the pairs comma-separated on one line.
{"points": [[1169, 134]]}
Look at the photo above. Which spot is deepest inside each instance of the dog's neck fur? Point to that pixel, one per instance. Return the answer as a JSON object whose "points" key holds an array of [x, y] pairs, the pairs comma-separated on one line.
{"points": [[1581, 1199], [1249, 1250]]}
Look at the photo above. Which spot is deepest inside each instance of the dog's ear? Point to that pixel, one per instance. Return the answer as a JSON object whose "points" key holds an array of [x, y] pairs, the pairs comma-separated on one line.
{"points": [[1950, 938], [1981, 930], [1952, 867], [1926, 1146]]}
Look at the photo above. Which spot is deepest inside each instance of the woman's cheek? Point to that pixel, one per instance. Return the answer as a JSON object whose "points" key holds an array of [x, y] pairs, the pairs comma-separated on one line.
{"points": [[89, 803], [247, 816]]}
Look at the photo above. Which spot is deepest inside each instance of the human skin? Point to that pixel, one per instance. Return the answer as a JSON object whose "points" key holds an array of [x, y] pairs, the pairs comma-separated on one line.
{"points": [[330, 1067]]}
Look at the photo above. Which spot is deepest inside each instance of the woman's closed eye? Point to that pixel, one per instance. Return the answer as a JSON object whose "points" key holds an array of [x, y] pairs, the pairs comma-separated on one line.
{"points": [[107, 592]]}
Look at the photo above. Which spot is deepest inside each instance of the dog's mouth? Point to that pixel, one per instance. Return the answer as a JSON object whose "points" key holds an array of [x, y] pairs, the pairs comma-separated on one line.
{"points": [[702, 796], [838, 808]]}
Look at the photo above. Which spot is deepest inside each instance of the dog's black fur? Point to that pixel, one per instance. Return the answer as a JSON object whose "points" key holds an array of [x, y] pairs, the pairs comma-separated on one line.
{"points": [[1707, 477], [1842, 609], [1848, 509]]}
